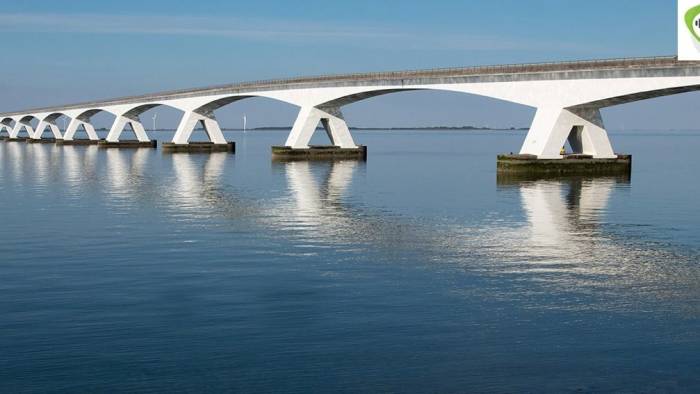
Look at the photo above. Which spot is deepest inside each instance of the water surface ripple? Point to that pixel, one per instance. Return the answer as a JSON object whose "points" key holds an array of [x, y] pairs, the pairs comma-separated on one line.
{"points": [[417, 271]]}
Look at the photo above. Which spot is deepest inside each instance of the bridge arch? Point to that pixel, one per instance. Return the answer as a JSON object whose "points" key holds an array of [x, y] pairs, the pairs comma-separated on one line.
{"points": [[130, 115], [28, 118], [329, 111], [133, 111], [568, 97], [50, 121], [83, 119], [567, 116], [639, 96], [359, 96], [599, 103], [201, 111], [52, 117], [213, 105], [24, 123], [86, 115], [6, 125]]}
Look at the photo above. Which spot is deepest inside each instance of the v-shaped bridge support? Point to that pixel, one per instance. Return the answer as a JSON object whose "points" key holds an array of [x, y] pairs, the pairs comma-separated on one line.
{"points": [[333, 122], [581, 126]]}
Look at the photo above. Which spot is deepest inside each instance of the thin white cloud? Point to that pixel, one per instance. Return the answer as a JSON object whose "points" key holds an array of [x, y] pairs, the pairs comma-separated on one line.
{"points": [[302, 32], [180, 26]]}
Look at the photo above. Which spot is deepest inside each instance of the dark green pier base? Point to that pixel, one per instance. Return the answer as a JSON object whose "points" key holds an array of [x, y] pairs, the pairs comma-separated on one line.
{"points": [[528, 165], [128, 144], [199, 147], [17, 139], [319, 153], [78, 142], [41, 141]]}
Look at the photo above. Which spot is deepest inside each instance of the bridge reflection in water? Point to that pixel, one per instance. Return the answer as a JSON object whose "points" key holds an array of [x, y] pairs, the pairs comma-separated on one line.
{"points": [[319, 202], [564, 215], [560, 241]]}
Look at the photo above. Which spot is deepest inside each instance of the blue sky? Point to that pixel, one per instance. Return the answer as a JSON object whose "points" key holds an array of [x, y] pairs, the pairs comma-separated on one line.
{"points": [[65, 51]]}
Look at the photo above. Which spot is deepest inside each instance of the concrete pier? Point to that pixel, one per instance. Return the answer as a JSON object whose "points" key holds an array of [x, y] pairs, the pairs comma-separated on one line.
{"points": [[41, 140], [528, 165], [77, 142], [519, 178], [319, 153], [128, 144], [199, 147]]}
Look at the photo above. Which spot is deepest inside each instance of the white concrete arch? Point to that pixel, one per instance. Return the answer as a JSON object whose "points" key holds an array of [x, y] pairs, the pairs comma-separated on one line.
{"points": [[82, 118], [325, 106], [566, 109], [131, 115], [48, 120], [568, 97], [570, 109], [6, 125], [535, 94], [201, 111], [23, 122], [317, 106], [213, 105]]}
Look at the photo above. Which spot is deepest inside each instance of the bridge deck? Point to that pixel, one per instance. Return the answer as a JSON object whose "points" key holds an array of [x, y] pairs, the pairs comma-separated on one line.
{"points": [[629, 64]]}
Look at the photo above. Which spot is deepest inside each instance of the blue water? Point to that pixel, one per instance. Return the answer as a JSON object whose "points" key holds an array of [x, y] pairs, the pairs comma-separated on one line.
{"points": [[417, 271]]}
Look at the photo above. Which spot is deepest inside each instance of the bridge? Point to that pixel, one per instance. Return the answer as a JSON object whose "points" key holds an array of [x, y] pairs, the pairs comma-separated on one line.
{"points": [[568, 97]]}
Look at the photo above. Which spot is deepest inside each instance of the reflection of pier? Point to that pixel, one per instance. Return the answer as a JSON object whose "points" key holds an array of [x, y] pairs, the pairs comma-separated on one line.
{"points": [[15, 157], [564, 215], [320, 209], [315, 203], [44, 159], [566, 246], [125, 174], [560, 244], [79, 167], [196, 188]]}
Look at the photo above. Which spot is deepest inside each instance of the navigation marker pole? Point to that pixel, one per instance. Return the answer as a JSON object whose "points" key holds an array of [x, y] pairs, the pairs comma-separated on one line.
{"points": [[245, 123]]}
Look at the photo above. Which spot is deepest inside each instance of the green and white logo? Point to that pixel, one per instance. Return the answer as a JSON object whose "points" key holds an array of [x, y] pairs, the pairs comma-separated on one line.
{"points": [[692, 20], [689, 30]]}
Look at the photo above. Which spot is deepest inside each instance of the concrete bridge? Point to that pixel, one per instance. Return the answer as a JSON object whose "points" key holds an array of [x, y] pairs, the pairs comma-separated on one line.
{"points": [[568, 97]]}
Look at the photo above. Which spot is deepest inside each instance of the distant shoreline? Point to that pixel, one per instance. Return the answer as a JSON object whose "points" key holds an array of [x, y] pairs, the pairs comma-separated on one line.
{"points": [[403, 128], [428, 128]]}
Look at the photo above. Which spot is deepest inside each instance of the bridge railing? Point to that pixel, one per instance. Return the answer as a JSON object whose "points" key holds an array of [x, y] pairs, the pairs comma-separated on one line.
{"points": [[635, 62], [474, 70]]}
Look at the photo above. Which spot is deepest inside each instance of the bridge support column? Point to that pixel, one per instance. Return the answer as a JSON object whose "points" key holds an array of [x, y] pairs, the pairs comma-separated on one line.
{"points": [[19, 125], [541, 154], [73, 127], [582, 127], [113, 141], [6, 128], [333, 122], [120, 123], [42, 126], [297, 145], [190, 120]]}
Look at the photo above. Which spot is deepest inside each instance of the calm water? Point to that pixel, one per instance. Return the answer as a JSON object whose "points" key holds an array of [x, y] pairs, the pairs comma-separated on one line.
{"points": [[414, 272]]}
